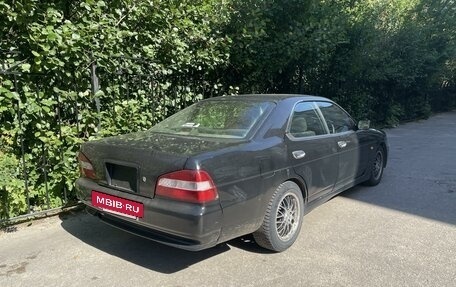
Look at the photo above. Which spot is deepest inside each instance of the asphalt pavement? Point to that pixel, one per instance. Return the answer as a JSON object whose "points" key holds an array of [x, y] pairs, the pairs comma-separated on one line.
{"points": [[399, 233]]}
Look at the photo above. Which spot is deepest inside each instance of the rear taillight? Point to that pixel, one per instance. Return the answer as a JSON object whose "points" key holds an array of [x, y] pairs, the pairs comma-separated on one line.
{"points": [[86, 167], [187, 185]]}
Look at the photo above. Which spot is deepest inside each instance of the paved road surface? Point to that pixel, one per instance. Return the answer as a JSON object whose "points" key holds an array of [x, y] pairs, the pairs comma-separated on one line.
{"points": [[400, 233]]}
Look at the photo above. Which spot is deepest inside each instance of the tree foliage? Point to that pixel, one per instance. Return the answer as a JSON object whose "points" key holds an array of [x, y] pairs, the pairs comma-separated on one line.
{"points": [[383, 60]]}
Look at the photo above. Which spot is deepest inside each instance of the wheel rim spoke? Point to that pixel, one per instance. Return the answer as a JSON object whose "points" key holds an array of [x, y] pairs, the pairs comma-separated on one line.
{"points": [[287, 217]]}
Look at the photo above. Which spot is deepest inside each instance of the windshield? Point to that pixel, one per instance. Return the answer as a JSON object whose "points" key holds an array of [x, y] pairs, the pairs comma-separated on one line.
{"points": [[219, 119]]}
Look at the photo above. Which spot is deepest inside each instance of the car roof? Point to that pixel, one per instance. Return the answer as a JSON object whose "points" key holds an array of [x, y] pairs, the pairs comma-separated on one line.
{"points": [[271, 97]]}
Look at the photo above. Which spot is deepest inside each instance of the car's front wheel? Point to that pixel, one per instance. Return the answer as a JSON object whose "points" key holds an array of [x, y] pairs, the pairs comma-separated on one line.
{"points": [[283, 219], [377, 168]]}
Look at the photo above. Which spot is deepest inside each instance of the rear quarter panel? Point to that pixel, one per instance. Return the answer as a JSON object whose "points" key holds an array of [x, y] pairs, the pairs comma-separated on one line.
{"points": [[243, 175]]}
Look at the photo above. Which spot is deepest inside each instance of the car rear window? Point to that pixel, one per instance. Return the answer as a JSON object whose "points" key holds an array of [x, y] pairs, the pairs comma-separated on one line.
{"points": [[218, 119]]}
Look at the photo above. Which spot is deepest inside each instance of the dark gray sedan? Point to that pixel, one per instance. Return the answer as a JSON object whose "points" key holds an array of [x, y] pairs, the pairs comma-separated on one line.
{"points": [[230, 166]]}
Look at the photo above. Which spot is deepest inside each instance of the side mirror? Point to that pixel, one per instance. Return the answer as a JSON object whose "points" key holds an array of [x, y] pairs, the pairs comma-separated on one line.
{"points": [[364, 124]]}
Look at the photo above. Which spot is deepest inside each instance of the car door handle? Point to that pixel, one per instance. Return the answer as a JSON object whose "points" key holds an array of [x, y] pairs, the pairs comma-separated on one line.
{"points": [[298, 154], [342, 144]]}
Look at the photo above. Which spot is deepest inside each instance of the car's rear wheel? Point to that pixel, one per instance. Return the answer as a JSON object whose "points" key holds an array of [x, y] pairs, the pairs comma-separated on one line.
{"points": [[377, 168], [283, 219]]}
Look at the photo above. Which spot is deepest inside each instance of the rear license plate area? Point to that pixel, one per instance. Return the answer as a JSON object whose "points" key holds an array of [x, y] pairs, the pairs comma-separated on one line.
{"points": [[117, 205], [122, 176]]}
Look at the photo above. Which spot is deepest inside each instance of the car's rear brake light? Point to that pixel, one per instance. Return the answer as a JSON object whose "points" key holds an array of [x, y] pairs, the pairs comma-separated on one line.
{"points": [[187, 185], [86, 167]]}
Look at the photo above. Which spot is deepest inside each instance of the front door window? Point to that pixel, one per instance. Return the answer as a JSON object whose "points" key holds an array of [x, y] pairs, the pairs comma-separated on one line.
{"points": [[337, 119]]}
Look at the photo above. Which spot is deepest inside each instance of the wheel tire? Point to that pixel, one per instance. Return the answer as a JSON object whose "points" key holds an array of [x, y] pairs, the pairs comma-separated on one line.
{"points": [[377, 168], [283, 219]]}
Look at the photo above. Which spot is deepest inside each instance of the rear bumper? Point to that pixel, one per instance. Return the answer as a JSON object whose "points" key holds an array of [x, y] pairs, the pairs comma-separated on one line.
{"points": [[178, 224]]}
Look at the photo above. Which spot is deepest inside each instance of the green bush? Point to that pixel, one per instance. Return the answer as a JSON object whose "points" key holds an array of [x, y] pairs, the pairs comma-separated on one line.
{"points": [[12, 191], [152, 59]]}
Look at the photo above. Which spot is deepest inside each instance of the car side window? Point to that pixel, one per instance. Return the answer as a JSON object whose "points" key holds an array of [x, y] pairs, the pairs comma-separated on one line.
{"points": [[337, 119], [305, 121]]}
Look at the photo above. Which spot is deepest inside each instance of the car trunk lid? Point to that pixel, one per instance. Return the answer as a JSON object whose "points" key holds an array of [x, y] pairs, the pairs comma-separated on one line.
{"points": [[133, 162]]}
